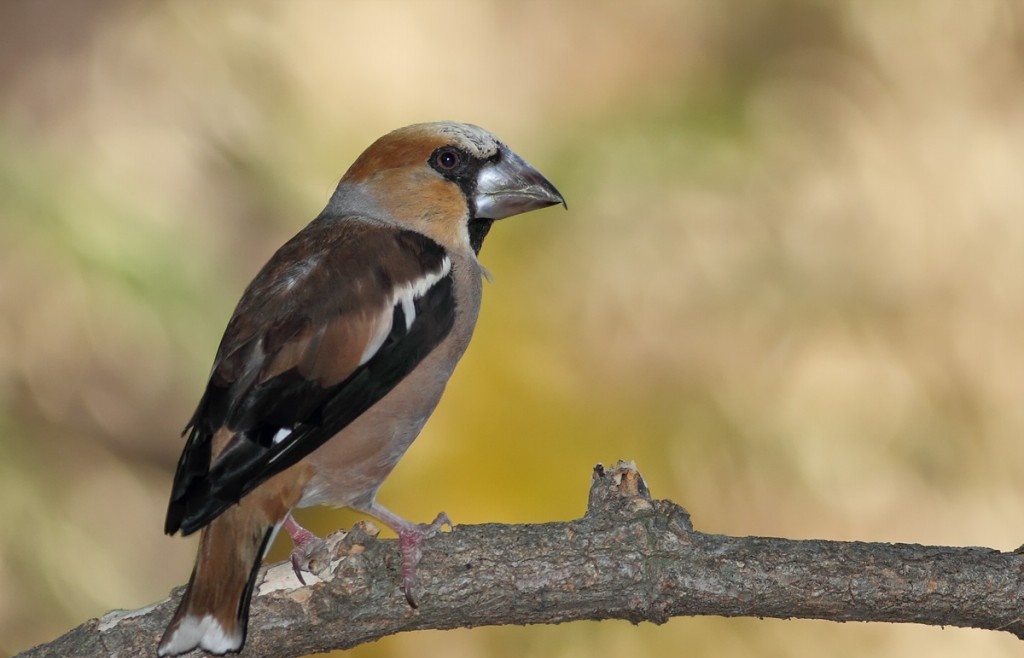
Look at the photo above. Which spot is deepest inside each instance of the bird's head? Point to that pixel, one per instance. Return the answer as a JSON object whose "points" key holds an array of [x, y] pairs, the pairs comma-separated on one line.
{"points": [[449, 181]]}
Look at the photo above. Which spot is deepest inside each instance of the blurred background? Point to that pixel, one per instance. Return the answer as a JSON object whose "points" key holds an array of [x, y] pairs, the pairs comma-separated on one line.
{"points": [[790, 282]]}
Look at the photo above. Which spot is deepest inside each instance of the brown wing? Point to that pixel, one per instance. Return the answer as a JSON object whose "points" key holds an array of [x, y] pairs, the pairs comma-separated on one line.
{"points": [[336, 318]]}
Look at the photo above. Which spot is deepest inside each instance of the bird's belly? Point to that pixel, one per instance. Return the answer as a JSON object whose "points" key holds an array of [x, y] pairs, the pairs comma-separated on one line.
{"points": [[351, 465]]}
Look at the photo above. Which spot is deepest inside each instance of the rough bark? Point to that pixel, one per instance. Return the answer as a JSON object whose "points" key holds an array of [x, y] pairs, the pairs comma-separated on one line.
{"points": [[629, 557]]}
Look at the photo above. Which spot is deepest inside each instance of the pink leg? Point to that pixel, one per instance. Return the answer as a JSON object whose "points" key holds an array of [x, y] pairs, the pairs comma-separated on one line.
{"points": [[410, 536], [306, 545]]}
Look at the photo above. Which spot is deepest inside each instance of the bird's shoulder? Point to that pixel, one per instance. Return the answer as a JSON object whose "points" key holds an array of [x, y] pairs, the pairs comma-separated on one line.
{"points": [[340, 271]]}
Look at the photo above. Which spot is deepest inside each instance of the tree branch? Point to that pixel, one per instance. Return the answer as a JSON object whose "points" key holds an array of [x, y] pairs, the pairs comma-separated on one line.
{"points": [[628, 558]]}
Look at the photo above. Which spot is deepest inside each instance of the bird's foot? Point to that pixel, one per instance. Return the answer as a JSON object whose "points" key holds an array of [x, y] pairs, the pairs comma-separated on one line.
{"points": [[410, 537], [307, 546]]}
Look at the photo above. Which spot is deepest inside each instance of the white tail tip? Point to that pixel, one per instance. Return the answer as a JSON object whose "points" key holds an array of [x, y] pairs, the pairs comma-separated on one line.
{"points": [[205, 632]]}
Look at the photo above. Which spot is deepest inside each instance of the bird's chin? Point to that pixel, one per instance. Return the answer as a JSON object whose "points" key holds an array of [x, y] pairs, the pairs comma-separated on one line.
{"points": [[478, 229]]}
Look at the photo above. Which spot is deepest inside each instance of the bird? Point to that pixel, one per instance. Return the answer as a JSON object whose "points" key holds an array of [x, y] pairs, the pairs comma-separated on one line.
{"points": [[335, 356]]}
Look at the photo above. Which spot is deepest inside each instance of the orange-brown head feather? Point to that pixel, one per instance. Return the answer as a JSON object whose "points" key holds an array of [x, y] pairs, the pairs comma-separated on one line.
{"points": [[395, 172]]}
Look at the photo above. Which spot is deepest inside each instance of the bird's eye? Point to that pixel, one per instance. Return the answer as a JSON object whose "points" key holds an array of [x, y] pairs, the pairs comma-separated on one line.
{"points": [[447, 159]]}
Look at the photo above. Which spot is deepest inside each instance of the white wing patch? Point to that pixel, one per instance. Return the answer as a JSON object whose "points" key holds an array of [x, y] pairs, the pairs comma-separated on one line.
{"points": [[406, 295], [281, 435], [408, 310]]}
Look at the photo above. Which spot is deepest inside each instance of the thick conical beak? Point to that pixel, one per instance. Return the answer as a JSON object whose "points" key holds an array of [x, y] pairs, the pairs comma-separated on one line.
{"points": [[510, 186]]}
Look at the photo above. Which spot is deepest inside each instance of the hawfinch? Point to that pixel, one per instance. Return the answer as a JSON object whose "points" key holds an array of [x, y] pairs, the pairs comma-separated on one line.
{"points": [[336, 355]]}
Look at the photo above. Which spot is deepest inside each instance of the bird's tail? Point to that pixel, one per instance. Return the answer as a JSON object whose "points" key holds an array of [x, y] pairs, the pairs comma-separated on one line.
{"points": [[214, 611]]}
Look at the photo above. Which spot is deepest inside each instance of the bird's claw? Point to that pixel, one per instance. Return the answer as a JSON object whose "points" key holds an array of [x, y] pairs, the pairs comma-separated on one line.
{"points": [[307, 547], [409, 543]]}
